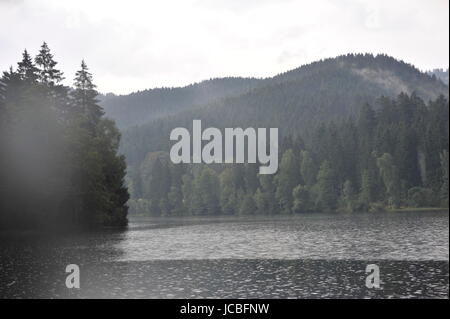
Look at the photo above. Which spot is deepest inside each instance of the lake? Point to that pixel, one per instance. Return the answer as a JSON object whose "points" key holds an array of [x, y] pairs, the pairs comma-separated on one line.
{"points": [[301, 256]]}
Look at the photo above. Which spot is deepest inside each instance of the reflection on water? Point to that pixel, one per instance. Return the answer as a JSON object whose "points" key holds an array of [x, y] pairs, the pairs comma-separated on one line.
{"points": [[307, 256]]}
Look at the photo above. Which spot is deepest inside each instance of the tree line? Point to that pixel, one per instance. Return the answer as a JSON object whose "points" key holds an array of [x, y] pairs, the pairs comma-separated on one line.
{"points": [[394, 154], [296, 102], [59, 163]]}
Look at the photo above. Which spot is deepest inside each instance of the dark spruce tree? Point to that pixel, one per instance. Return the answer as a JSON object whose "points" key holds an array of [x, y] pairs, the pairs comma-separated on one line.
{"points": [[59, 164], [85, 96], [26, 69], [51, 78], [98, 171], [47, 72]]}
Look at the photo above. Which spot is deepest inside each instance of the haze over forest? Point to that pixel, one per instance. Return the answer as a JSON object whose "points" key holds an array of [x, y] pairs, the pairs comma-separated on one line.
{"points": [[201, 149], [359, 132], [136, 45]]}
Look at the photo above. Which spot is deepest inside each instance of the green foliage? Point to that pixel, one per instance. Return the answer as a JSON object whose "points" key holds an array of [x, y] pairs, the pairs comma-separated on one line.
{"points": [[343, 146], [308, 169], [337, 111], [175, 199], [206, 196], [327, 189], [297, 102], [59, 165], [45, 63], [247, 205], [228, 194], [287, 178], [85, 97], [265, 196], [26, 69], [348, 201], [187, 191], [390, 176], [302, 201], [357, 165], [421, 197]]}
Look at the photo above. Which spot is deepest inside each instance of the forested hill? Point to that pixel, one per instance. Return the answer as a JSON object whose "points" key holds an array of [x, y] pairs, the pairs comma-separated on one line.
{"points": [[382, 71], [357, 133], [143, 106], [363, 75], [295, 101], [441, 74]]}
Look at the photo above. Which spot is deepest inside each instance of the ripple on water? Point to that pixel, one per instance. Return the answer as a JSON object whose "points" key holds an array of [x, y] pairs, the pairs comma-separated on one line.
{"points": [[308, 256], [393, 236]]}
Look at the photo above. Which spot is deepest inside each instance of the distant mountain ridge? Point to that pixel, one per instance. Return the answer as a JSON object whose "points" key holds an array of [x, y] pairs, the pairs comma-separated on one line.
{"points": [[295, 101], [441, 74], [144, 106], [385, 73]]}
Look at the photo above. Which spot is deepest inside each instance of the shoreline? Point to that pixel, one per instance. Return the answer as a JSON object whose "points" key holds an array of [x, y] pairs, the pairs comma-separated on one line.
{"points": [[262, 216]]}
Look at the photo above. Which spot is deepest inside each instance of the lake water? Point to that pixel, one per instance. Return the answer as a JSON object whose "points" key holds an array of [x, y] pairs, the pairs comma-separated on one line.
{"points": [[304, 256]]}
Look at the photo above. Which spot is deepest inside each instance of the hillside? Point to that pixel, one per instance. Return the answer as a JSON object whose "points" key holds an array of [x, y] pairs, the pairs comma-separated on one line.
{"points": [[144, 106], [440, 74], [296, 101], [387, 76]]}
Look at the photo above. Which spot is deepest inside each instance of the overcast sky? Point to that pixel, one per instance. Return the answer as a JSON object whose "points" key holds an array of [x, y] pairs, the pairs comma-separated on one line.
{"points": [[132, 45]]}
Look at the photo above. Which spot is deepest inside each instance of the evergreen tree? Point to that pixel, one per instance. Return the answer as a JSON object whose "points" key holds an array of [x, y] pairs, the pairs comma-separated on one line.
{"points": [[187, 191], [261, 205], [206, 193], [265, 196], [308, 168], [348, 197], [287, 179], [98, 170], [251, 177], [406, 156], [175, 198], [26, 70], [366, 129], [157, 182], [55, 172], [47, 73], [209, 189], [85, 96], [327, 190], [164, 207], [228, 192], [366, 188], [389, 173], [113, 172], [302, 201], [247, 205]]}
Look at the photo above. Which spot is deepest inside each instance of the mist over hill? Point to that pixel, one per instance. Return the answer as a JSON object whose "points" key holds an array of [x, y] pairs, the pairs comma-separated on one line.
{"points": [[144, 106], [441, 74], [369, 75], [296, 101]]}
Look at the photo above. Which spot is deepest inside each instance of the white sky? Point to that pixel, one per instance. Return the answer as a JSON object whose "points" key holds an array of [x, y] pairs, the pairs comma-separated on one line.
{"points": [[133, 45]]}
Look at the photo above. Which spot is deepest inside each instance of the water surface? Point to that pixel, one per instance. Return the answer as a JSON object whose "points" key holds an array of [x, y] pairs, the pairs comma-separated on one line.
{"points": [[302, 256]]}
